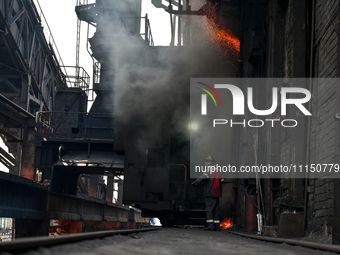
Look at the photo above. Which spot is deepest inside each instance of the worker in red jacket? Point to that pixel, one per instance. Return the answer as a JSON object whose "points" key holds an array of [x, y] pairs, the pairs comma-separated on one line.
{"points": [[213, 192]]}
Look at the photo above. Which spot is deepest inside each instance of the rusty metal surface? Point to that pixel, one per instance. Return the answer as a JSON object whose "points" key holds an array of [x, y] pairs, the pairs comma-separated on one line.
{"points": [[250, 213]]}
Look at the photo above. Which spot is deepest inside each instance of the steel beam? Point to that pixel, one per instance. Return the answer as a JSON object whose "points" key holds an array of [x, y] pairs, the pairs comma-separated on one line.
{"points": [[38, 203], [9, 135], [9, 9], [10, 85], [21, 198], [16, 16], [6, 163], [7, 156], [15, 112]]}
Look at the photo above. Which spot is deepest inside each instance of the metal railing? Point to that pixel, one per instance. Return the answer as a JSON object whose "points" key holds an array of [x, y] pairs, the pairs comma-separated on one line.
{"points": [[96, 73], [77, 78], [147, 31], [145, 27], [144, 30], [84, 2]]}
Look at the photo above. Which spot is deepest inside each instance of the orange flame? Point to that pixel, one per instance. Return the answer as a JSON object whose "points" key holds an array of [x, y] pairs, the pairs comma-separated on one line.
{"points": [[222, 38], [227, 223]]}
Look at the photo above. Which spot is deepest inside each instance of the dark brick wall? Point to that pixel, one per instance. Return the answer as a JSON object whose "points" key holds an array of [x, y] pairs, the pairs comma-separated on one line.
{"points": [[320, 207], [322, 130], [284, 36]]}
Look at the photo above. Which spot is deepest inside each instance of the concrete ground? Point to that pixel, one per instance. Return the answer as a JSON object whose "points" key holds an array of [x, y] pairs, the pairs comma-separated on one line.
{"points": [[175, 241]]}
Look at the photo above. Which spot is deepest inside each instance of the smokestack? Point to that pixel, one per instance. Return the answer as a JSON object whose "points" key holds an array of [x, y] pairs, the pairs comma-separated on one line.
{"points": [[118, 30]]}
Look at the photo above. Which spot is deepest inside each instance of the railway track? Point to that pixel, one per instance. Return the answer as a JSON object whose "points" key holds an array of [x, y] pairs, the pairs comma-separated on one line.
{"points": [[25, 244]]}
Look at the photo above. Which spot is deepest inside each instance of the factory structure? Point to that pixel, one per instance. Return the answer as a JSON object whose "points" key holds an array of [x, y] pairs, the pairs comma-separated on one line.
{"points": [[125, 159]]}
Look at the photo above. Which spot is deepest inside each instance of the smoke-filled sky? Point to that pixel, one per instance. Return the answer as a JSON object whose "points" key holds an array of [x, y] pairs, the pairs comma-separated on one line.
{"points": [[62, 21]]}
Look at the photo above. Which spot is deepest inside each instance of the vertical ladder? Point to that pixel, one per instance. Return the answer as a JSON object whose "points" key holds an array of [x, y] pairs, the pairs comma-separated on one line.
{"points": [[79, 2]]}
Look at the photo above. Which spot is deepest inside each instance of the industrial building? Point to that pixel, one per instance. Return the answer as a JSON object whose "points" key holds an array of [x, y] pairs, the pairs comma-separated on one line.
{"points": [[68, 158]]}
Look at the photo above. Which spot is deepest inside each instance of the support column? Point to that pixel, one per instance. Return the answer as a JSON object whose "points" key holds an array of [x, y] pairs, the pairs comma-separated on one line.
{"points": [[93, 191], [27, 167], [25, 84], [109, 189], [120, 192]]}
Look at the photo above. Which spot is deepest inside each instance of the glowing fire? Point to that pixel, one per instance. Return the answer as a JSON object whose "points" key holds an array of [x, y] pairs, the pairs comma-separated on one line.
{"points": [[224, 39], [227, 223]]}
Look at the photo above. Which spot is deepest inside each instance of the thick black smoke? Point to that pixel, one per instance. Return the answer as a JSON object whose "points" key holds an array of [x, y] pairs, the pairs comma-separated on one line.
{"points": [[151, 84]]}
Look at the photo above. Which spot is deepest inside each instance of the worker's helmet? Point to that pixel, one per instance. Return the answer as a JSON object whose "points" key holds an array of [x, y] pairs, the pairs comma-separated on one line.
{"points": [[210, 159]]}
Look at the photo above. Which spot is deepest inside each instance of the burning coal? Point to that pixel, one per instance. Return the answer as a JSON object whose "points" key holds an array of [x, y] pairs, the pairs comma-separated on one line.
{"points": [[227, 223]]}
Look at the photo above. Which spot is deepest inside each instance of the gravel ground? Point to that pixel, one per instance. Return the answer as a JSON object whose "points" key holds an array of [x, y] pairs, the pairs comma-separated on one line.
{"points": [[175, 241]]}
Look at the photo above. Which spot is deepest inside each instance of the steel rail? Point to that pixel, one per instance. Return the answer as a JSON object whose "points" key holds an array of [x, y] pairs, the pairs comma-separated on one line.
{"points": [[25, 244], [318, 246]]}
